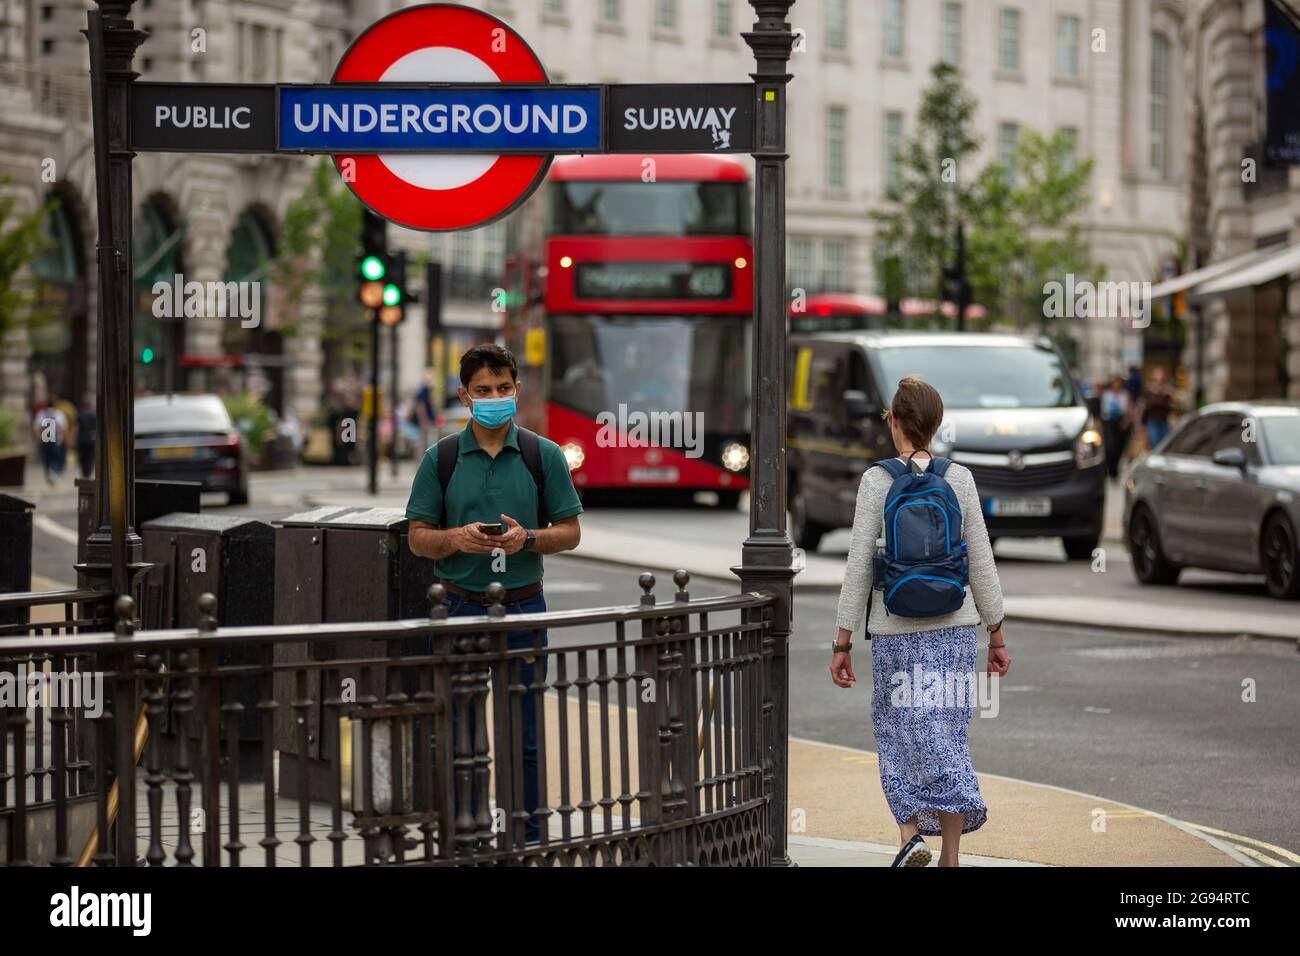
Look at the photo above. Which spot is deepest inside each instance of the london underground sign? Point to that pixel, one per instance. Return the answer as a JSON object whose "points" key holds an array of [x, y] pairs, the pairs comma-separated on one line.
{"points": [[440, 43], [441, 117]]}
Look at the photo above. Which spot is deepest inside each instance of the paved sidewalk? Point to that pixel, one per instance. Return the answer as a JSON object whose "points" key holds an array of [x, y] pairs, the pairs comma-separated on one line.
{"points": [[840, 818]]}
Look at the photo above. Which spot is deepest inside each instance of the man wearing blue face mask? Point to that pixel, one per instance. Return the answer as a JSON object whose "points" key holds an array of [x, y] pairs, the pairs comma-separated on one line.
{"points": [[486, 504]]}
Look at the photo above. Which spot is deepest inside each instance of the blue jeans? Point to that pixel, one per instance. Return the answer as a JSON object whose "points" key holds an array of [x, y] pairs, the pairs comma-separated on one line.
{"points": [[1156, 432], [460, 607]]}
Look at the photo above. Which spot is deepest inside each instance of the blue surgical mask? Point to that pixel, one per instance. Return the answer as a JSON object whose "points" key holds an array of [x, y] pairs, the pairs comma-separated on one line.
{"points": [[494, 412]]}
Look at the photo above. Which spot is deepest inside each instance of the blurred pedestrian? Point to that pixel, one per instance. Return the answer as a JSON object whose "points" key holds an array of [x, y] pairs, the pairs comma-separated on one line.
{"points": [[50, 427], [85, 435], [1157, 407], [422, 415], [924, 751], [1116, 422], [1134, 385]]}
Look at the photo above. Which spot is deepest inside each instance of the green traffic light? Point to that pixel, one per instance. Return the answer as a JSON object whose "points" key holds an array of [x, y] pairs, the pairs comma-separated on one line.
{"points": [[372, 267], [146, 356], [392, 295]]}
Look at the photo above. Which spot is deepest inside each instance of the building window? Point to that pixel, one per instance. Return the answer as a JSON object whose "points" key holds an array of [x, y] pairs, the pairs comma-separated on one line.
{"points": [[722, 18], [1067, 47], [555, 8], [836, 125], [666, 14], [1009, 40], [799, 263], [894, 29], [1008, 135], [1158, 110], [835, 265], [611, 11], [1071, 136], [952, 34], [837, 27], [893, 150]]}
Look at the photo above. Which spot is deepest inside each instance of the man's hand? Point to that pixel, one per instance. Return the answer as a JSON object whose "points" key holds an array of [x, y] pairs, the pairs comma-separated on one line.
{"points": [[513, 539], [473, 541]]}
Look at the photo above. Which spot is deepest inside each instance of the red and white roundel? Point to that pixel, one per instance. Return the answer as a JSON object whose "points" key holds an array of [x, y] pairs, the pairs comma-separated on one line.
{"points": [[439, 42]]}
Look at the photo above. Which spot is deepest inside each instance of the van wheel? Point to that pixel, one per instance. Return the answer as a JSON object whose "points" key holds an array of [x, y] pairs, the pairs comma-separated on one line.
{"points": [[807, 534], [1150, 565], [1280, 559], [1081, 549]]}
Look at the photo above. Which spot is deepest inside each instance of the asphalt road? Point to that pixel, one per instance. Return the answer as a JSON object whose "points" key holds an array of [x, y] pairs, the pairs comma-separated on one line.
{"points": [[1155, 721]]}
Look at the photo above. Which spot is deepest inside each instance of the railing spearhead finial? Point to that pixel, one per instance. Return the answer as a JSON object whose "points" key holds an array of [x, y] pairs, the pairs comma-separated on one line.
{"points": [[124, 608], [497, 592], [207, 603], [437, 597]]}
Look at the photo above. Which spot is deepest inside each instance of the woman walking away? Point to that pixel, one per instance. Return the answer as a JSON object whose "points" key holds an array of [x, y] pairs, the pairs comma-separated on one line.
{"points": [[918, 541], [1116, 423]]}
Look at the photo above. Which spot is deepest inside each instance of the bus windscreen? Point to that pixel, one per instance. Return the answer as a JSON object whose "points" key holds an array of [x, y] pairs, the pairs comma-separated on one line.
{"points": [[652, 363]]}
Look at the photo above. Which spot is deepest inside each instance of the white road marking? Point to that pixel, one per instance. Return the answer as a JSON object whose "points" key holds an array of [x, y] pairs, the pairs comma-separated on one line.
{"points": [[54, 529]]}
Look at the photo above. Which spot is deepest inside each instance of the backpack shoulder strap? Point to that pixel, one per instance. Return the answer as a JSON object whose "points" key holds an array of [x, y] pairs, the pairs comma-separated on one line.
{"points": [[530, 448], [895, 467], [940, 466], [447, 451]]}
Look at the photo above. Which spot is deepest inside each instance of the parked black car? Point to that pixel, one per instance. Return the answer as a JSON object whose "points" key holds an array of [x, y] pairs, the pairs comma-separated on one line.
{"points": [[1222, 491], [1013, 416], [190, 438]]}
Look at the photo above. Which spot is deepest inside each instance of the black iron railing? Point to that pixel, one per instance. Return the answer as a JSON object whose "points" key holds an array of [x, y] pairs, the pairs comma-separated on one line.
{"points": [[406, 741]]}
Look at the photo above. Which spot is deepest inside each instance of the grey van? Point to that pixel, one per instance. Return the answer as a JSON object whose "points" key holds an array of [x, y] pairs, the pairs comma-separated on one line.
{"points": [[1012, 415]]}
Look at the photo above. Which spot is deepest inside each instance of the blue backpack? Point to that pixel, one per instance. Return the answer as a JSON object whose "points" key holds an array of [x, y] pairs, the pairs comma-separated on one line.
{"points": [[922, 567]]}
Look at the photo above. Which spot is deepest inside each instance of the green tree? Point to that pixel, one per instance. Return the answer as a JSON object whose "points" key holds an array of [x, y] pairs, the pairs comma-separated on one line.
{"points": [[22, 241], [320, 241], [1026, 231], [915, 231], [1022, 224]]}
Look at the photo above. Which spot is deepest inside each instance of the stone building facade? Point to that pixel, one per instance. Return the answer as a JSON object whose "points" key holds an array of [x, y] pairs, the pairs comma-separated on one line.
{"points": [[1251, 336], [858, 80]]}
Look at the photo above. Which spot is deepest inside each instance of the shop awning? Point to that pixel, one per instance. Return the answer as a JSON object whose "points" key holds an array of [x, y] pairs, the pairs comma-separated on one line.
{"points": [[1276, 264], [1205, 274]]}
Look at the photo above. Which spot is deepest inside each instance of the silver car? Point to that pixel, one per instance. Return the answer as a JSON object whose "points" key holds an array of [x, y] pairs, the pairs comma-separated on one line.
{"points": [[1222, 491]]}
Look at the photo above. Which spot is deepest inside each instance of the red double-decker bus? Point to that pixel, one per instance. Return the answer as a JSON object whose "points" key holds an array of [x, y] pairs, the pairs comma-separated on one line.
{"points": [[630, 301]]}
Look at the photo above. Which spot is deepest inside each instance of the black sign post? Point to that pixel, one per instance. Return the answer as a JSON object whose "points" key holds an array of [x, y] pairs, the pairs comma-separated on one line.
{"points": [[767, 561]]}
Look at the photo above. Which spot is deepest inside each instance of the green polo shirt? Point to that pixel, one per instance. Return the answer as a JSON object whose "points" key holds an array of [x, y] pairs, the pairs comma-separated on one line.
{"points": [[482, 489]]}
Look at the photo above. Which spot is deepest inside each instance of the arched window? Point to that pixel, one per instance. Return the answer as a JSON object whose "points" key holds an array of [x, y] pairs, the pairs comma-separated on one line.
{"points": [[249, 252]]}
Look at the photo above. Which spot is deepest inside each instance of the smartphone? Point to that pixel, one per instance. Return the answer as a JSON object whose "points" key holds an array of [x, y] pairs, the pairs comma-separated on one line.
{"points": [[491, 529]]}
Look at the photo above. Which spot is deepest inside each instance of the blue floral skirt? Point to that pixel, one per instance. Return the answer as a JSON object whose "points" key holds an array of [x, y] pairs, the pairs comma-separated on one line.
{"points": [[921, 708]]}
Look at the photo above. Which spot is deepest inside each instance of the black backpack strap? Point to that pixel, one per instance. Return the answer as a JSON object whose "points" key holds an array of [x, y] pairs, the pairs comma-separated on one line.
{"points": [[447, 452], [530, 447], [895, 467]]}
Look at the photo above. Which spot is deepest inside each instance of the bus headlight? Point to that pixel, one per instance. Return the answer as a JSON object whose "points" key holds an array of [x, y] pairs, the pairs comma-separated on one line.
{"points": [[735, 457], [574, 456], [1088, 449]]}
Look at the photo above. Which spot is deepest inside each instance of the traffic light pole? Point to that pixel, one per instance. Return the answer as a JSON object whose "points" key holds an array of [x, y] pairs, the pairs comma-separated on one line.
{"points": [[372, 431], [392, 447]]}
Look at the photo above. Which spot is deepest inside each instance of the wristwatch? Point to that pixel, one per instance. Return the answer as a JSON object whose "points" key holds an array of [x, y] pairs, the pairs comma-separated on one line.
{"points": [[529, 540], [838, 648]]}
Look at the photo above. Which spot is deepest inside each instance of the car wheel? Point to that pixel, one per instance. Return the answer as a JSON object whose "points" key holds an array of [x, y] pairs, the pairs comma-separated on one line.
{"points": [[1280, 559], [805, 532], [1150, 565], [728, 500], [1081, 549]]}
